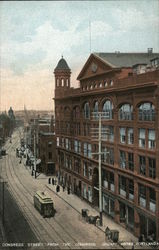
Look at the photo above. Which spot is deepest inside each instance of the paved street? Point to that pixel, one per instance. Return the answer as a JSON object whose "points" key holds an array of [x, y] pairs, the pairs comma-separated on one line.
{"points": [[67, 229]]}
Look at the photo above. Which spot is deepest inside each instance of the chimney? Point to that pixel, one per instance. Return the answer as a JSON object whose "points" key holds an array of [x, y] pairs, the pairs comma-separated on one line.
{"points": [[150, 50]]}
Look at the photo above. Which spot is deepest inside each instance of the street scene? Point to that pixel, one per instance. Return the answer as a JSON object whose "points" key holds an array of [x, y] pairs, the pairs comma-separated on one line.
{"points": [[79, 125]]}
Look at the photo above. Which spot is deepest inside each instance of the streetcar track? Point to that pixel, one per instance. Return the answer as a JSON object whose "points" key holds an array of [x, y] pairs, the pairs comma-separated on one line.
{"points": [[31, 203], [31, 194], [27, 193]]}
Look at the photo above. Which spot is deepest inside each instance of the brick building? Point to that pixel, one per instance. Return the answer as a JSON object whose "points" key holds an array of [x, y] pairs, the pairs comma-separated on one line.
{"points": [[45, 143], [126, 87]]}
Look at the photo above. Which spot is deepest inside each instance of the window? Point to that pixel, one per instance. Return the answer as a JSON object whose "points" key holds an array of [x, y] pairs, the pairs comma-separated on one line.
{"points": [[86, 111], [131, 190], [90, 194], [147, 112], [85, 169], [141, 137], [105, 83], [123, 135], [90, 173], [152, 204], [108, 133], [76, 112], [95, 110], [131, 161], [77, 146], [67, 161], [87, 149], [66, 141], [130, 136], [58, 141], [77, 165], [111, 82], [50, 155], [108, 110], [142, 165], [86, 129], [108, 155], [105, 178], [122, 185], [152, 168], [63, 142], [122, 159], [151, 138], [57, 82], [112, 182], [126, 112], [50, 144], [142, 195]]}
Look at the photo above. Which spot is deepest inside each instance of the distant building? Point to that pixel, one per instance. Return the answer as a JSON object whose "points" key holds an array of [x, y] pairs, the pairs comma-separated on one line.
{"points": [[45, 143], [126, 87]]}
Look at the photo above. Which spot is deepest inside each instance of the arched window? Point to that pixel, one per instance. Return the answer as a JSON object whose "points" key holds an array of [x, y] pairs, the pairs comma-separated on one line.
{"points": [[86, 111], [76, 112], [57, 82], [108, 110], [105, 83], [62, 82], [146, 112], [95, 110], [100, 85], [126, 112], [111, 82]]}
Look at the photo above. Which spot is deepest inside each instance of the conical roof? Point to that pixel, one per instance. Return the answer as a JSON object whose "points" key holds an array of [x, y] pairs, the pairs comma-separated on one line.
{"points": [[62, 65]]}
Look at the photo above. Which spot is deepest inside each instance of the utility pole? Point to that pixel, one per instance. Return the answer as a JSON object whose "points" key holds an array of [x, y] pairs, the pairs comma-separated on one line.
{"points": [[34, 149], [3, 201], [100, 172], [99, 116]]}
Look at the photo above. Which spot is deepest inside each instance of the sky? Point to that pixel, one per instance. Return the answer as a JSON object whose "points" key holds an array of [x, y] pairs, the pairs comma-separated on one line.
{"points": [[35, 34]]}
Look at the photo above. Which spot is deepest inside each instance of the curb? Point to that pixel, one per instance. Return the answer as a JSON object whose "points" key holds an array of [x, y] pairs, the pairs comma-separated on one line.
{"points": [[79, 213]]}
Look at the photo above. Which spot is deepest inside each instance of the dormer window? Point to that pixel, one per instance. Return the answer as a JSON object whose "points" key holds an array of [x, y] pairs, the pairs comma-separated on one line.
{"points": [[139, 68], [155, 62]]}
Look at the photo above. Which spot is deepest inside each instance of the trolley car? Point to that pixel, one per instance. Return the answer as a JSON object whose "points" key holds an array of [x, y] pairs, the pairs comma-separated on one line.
{"points": [[44, 204]]}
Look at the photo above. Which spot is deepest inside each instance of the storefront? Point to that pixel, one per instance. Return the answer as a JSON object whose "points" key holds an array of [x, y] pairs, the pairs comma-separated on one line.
{"points": [[108, 205], [126, 215]]}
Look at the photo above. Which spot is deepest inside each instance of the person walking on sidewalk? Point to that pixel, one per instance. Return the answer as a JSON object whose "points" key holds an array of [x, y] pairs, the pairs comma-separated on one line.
{"points": [[53, 182], [63, 186], [57, 188]]}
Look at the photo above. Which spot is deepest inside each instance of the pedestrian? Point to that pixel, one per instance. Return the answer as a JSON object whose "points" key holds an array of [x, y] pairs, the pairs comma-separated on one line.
{"points": [[57, 188], [53, 181], [63, 186], [68, 190], [49, 180]]}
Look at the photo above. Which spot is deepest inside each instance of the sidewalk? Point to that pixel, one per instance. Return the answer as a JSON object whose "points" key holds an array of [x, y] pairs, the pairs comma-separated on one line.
{"points": [[77, 203]]}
